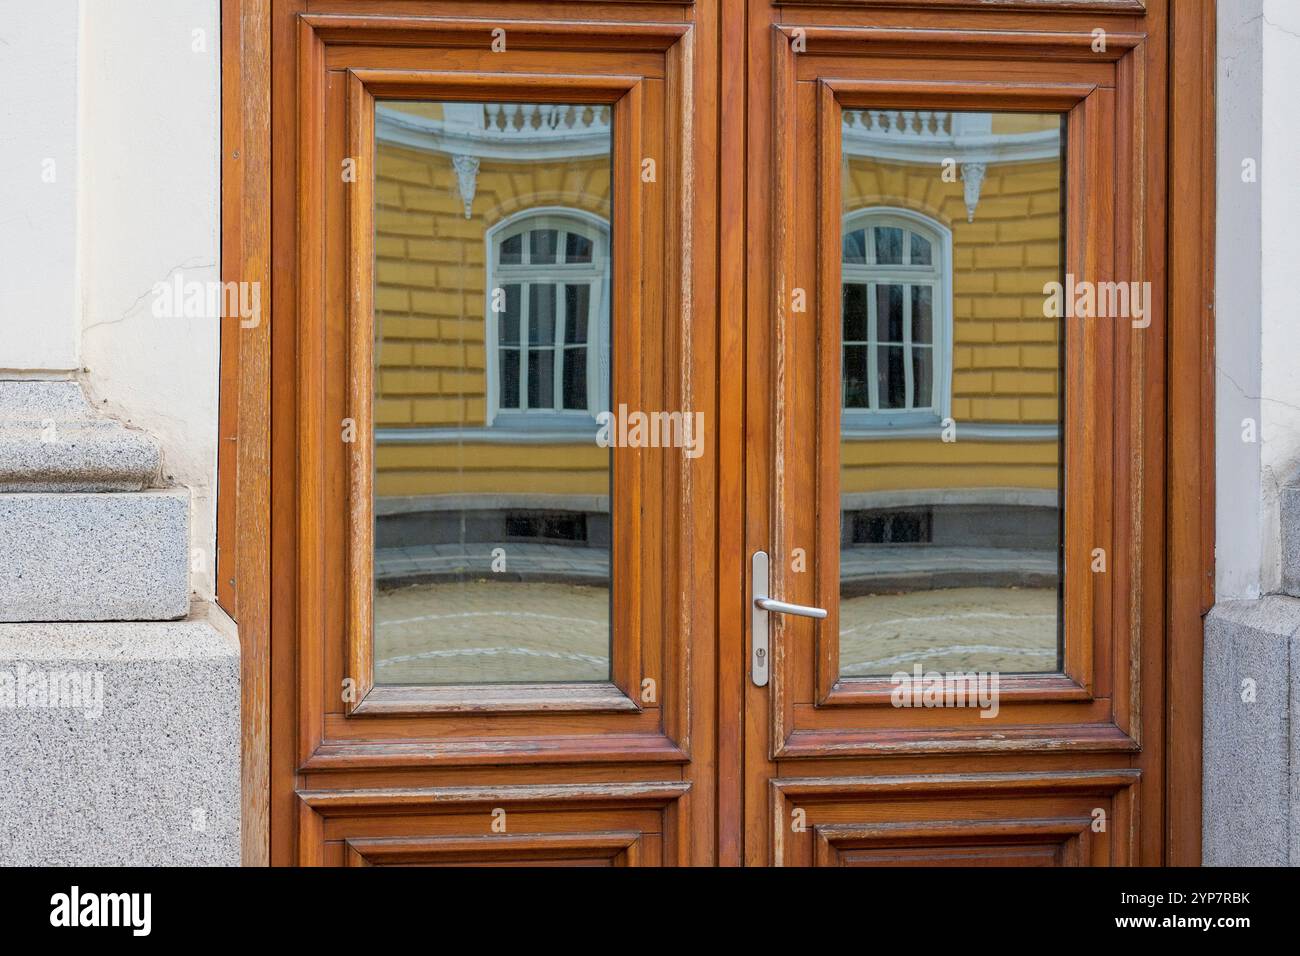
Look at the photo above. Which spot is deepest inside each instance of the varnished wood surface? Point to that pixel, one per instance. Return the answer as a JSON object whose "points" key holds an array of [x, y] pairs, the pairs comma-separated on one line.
{"points": [[716, 736]]}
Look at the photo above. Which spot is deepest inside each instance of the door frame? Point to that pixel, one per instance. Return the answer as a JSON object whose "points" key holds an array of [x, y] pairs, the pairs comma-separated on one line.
{"points": [[249, 393]]}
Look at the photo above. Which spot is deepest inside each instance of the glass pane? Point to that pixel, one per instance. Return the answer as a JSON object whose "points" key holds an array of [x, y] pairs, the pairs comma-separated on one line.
{"points": [[950, 551], [508, 329], [855, 246], [891, 380], [541, 314], [575, 378], [512, 251], [889, 245], [541, 246], [855, 312], [541, 378], [509, 375], [920, 251], [577, 248], [856, 394], [889, 313], [922, 313], [922, 376], [492, 523], [577, 303]]}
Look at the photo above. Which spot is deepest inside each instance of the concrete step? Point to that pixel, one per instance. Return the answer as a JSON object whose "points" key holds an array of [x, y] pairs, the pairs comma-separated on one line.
{"points": [[1290, 508], [94, 556], [51, 439]]}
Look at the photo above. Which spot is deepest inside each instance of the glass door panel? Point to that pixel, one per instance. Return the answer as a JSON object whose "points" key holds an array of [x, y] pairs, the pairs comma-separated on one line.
{"points": [[951, 449], [492, 344]]}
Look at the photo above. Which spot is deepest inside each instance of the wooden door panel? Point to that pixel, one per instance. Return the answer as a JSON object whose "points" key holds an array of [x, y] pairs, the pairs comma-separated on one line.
{"points": [[650, 639], [1030, 819], [566, 824], [406, 751], [677, 758], [906, 83], [1086, 704]]}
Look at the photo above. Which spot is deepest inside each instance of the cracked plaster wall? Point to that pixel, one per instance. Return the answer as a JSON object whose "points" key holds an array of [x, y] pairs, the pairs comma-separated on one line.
{"points": [[150, 114], [1258, 287]]}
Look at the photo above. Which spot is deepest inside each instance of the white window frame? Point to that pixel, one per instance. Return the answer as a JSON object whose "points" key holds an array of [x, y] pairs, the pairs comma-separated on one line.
{"points": [[597, 273], [938, 276]]}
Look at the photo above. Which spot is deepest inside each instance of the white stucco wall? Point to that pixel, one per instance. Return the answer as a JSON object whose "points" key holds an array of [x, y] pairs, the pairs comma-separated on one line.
{"points": [[151, 200], [38, 185], [124, 95], [1280, 270], [1239, 92], [1258, 289]]}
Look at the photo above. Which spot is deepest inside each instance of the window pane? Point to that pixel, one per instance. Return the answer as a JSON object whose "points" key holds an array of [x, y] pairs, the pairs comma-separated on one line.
{"points": [[922, 376], [856, 394], [508, 329], [922, 313], [855, 312], [577, 248], [541, 378], [541, 314], [512, 251], [541, 246], [889, 313], [950, 552], [492, 550], [855, 246], [891, 383], [575, 378], [577, 302], [889, 245], [920, 251], [509, 396]]}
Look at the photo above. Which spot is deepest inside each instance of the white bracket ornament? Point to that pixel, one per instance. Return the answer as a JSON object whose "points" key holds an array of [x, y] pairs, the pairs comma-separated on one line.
{"points": [[972, 177], [466, 179]]}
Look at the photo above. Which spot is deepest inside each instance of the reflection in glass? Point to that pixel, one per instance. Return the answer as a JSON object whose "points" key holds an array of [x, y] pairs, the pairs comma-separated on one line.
{"points": [[492, 339], [952, 389]]}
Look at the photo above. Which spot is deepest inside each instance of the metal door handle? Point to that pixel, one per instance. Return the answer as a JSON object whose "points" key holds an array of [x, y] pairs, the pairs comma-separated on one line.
{"points": [[762, 607], [781, 607]]}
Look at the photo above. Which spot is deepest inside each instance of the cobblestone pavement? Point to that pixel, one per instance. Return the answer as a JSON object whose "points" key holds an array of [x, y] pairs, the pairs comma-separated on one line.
{"points": [[503, 632], [491, 632], [1009, 630]]}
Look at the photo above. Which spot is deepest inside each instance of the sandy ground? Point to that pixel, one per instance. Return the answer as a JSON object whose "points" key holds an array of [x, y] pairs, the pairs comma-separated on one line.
{"points": [[499, 632]]}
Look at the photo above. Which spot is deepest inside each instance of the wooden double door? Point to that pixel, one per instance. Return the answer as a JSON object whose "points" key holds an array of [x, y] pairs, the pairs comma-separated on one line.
{"points": [[723, 433]]}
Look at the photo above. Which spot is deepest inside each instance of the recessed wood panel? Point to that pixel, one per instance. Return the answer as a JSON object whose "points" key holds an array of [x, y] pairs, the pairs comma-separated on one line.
{"points": [[634, 824], [1032, 819], [532, 849]]}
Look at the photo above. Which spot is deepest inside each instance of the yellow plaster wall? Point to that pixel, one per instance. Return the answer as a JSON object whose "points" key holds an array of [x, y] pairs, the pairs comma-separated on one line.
{"points": [[430, 297]]}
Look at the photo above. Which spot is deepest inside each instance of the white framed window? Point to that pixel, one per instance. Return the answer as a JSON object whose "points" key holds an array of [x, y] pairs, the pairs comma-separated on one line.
{"points": [[896, 320], [547, 320]]}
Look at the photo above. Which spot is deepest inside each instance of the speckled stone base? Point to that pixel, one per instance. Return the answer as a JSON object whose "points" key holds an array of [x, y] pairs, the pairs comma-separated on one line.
{"points": [[120, 743], [1251, 787], [83, 556]]}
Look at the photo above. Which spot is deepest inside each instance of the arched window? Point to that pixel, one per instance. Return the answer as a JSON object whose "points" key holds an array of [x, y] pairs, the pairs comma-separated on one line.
{"points": [[547, 320], [896, 319]]}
